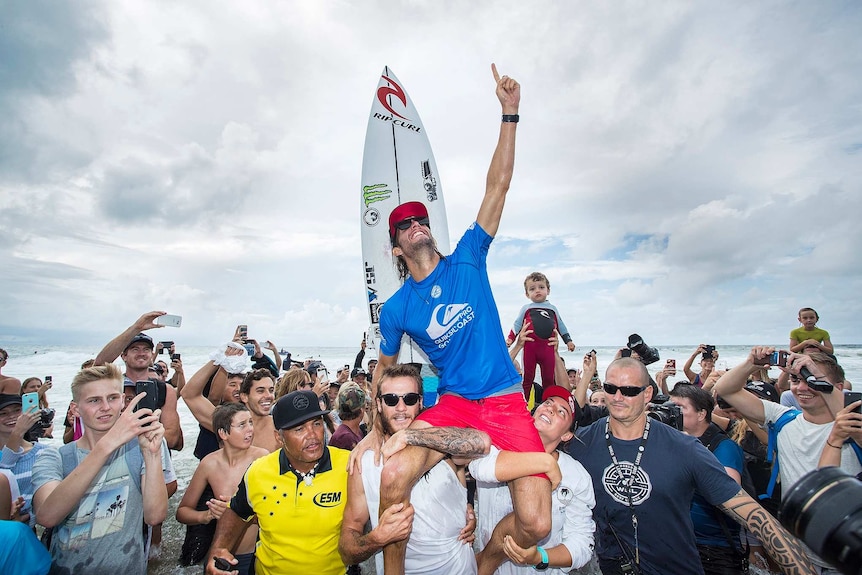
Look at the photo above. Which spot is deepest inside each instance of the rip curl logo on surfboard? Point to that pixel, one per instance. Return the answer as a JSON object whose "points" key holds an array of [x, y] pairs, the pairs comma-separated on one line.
{"points": [[383, 94], [393, 89]]}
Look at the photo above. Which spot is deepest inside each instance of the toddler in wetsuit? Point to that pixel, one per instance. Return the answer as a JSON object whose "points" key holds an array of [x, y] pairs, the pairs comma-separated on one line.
{"points": [[544, 318]]}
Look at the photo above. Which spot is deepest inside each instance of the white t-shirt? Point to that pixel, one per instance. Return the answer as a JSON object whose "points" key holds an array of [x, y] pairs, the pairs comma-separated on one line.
{"points": [[440, 512], [800, 444], [572, 503]]}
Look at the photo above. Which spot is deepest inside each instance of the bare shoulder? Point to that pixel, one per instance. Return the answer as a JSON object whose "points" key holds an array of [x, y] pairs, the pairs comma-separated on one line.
{"points": [[255, 453]]}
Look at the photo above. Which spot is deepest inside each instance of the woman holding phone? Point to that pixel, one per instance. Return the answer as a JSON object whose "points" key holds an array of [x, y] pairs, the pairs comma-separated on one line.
{"points": [[19, 454]]}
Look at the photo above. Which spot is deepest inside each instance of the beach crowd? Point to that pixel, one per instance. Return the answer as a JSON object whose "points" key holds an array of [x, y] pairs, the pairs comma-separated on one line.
{"points": [[509, 471]]}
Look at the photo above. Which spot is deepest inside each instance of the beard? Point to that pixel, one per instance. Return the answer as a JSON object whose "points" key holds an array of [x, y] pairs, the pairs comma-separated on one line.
{"points": [[386, 425]]}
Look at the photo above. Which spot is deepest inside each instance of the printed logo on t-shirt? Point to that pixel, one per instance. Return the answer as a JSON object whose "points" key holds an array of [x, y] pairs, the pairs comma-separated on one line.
{"points": [[436, 291], [447, 320], [615, 480]]}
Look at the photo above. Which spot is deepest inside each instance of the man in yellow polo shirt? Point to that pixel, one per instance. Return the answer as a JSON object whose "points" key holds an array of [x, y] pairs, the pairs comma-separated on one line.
{"points": [[297, 493]]}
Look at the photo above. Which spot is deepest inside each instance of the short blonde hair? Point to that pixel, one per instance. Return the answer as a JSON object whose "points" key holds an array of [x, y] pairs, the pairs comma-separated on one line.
{"points": [[98, 373]]}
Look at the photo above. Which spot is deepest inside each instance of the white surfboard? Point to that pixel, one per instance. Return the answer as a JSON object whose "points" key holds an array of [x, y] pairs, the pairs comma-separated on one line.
{"points": [[397, 166]]}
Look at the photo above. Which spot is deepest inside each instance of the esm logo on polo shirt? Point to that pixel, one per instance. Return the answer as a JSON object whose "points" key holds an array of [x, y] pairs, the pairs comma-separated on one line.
{"points": [[331, 499]]}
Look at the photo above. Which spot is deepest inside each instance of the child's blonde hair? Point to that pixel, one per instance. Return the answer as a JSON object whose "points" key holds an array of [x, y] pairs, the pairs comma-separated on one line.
{"points": [[97, 373]]}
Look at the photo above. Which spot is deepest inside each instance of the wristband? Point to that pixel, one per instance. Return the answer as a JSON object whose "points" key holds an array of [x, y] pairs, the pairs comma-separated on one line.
{"points": [[511, 118], [544, 563], [833, 446]]}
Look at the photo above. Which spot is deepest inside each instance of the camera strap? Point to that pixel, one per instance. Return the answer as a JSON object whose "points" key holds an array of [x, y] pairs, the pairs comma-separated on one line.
{"points": [[631, 478]]}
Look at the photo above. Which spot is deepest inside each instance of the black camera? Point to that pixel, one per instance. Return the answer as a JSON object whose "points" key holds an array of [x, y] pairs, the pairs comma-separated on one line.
{"points": [[824, 509], [46, 418], [647, 354], [707, 352], [666, 412]]}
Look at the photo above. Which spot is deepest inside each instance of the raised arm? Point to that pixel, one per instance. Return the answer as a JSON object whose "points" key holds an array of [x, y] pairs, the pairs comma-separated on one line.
{"points": [[730, 387], [116, 346], [848, 424], [580, 391], [192, 394], [687, 367], [503, 162], [178, 379]]}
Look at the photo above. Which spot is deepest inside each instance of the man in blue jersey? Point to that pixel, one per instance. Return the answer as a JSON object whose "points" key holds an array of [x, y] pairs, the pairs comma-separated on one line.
{"points": [[446, 306]]}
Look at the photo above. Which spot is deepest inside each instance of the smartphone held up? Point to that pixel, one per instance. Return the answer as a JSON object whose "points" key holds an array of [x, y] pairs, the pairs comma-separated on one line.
{"points": [[775, 359], [169, 320]]}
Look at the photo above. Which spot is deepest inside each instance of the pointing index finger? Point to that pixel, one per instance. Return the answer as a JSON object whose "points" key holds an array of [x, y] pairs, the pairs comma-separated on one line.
{"points": [[494, 71]]}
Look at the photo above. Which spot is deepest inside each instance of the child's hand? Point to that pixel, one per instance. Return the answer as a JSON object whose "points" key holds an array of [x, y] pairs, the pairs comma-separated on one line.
{"points": [[570, 346]]}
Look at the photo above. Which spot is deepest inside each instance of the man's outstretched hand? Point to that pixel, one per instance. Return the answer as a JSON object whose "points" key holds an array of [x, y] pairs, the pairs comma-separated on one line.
{"points": [[508, 92]]}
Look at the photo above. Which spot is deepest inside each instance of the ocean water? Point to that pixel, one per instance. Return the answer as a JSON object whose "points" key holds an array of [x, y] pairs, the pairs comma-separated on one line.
{"points": [[63, 362]]}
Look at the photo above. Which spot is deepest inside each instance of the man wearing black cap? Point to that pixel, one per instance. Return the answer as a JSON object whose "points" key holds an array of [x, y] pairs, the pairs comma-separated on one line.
{"points": [[297, 493], [136, 350], [447, 308]]}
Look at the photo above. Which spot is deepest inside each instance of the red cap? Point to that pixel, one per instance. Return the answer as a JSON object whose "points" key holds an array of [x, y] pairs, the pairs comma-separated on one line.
{"points": [[404, 211], [562, 393]]}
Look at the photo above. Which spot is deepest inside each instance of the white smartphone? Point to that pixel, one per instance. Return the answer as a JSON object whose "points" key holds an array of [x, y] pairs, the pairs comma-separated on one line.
{"points": [[169, 320], [29, 401]]}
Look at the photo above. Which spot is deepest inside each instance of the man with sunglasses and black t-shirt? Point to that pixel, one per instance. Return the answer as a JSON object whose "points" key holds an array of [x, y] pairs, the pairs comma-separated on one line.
{"points": [[644, 476]]}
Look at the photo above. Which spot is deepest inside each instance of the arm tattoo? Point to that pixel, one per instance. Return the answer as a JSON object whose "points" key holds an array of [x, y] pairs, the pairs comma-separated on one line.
{"points": [[460, 441], [781, 545]]}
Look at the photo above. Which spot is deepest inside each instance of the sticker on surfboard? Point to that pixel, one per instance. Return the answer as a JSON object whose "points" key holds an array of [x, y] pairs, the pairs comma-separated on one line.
{"points": [[397, 166]]}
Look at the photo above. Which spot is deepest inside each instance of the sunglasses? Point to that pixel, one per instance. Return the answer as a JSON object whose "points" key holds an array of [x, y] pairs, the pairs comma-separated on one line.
{"points": [[391, 399], [405, 224], [815, 384], [626, 390]]}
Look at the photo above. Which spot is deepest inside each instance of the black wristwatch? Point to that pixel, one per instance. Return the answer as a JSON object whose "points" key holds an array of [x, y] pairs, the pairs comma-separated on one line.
{"points": [[544, 563]]}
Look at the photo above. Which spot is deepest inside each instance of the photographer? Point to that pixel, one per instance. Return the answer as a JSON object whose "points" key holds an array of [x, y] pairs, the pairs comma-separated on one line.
{"points": [[717, 537], [708, 355], [816, 383], [19, 454]]}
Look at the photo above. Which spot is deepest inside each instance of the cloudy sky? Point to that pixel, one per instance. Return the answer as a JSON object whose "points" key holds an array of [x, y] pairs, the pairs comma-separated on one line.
{"points": [[687, 170]]}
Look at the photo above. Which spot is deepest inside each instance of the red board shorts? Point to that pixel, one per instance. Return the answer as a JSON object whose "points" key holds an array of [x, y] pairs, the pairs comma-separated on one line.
{"points": [[505, 418]]}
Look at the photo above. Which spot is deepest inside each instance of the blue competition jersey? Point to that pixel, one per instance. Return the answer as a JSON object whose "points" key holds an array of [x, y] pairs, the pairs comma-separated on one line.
{"points": [[452, 316]]}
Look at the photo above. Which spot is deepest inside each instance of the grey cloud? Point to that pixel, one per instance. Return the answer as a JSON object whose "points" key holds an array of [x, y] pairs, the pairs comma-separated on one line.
{"points": [[41, 43]]}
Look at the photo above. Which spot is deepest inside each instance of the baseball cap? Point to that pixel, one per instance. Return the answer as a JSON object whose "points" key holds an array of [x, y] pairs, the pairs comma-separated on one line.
{"points": [[350, 398], [7, 399], [561, 392], [404, 211], [763, 390], [141, 337], [296, 408], [358, 371]]}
